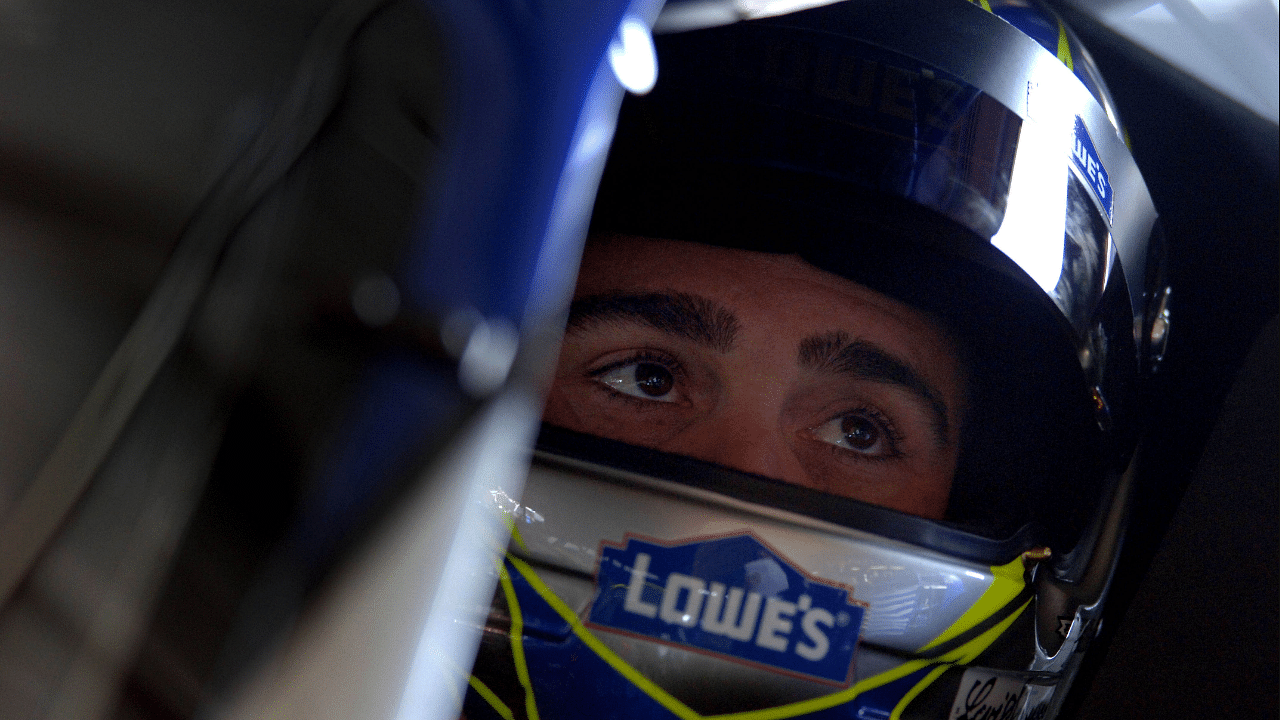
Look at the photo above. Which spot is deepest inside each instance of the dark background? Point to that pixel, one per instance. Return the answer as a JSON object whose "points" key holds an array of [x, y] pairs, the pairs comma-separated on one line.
{"points": [[1198, 637]]}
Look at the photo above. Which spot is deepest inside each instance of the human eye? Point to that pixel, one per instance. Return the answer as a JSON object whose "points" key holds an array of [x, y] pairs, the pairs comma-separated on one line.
{"points": [[644, 376], [865, 432]]}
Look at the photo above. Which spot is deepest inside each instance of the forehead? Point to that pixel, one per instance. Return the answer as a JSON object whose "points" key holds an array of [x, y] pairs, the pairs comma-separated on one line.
{"points": [[783, 291]]}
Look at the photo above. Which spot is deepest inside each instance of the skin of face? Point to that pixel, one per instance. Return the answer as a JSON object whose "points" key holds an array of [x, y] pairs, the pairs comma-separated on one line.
{"points": [[761, 363]]}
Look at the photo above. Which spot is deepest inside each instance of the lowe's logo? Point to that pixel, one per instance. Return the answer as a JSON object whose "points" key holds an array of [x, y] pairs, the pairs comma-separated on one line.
{"points": [[730, 596], [1086, 159]]}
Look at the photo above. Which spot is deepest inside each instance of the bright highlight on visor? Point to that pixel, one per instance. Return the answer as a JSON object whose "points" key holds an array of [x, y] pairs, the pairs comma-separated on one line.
{"points": [[632, 56], [1035, 219]]}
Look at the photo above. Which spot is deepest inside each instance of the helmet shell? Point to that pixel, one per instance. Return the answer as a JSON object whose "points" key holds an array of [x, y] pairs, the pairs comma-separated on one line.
{"points": [[936, 153]]}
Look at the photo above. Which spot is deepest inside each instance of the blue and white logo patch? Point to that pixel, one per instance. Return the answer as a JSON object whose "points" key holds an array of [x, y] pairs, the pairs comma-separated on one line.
{"points": [[1086, 160], [731, 596]]}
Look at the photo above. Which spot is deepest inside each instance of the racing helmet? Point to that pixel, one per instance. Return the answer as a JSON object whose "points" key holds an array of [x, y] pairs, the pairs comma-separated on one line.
{"points": [[966, 160]]}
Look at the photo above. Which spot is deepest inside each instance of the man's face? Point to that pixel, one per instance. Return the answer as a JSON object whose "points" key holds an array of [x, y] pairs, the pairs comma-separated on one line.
{"points": [[762, 363]]}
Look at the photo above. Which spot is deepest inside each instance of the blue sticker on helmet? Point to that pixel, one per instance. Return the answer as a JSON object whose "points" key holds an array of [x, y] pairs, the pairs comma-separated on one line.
{"points": [[1086, 160], [731, 596]]}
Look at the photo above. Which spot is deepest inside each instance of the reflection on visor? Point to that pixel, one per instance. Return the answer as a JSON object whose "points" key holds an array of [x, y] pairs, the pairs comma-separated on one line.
{"points": [[871, 118], [852, 128]]}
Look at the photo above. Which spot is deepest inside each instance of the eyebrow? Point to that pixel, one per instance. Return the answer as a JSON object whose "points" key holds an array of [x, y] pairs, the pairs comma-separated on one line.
{"points": [[835, 352], [684, 315]]}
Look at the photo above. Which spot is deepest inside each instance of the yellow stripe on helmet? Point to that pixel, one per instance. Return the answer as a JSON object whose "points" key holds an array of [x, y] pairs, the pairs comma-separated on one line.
{"points": [[492, 698], [913, 692], [962, 655], [1007, 578], [514, 530], [1064, 47], [617, 663], [1007, 582], [517, 643]]}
